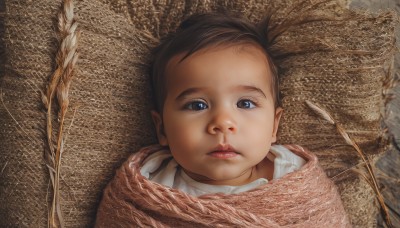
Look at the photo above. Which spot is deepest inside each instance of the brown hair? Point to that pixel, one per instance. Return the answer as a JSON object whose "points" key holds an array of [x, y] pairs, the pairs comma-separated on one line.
{"points": [[204, 30]]}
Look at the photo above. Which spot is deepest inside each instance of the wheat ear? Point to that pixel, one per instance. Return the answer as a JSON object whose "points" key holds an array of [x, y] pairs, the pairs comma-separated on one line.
{"points": [[371, 179], [59, 84]]}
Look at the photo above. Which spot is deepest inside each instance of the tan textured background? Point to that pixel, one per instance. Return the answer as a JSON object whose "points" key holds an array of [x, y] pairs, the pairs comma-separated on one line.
{"points": [[389, 164]]}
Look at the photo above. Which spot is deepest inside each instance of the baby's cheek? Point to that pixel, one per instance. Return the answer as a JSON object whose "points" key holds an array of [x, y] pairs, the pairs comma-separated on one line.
{"points": [[182, 130], [259, 136]]}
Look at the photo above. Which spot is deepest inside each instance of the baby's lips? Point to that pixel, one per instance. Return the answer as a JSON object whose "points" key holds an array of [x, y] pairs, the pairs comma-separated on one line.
{"points": [[224, 154], [224, 148]]}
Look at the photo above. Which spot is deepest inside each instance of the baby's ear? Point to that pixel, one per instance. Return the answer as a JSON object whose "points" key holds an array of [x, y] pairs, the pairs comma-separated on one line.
{"points": [[277, 118], [158, 123]]}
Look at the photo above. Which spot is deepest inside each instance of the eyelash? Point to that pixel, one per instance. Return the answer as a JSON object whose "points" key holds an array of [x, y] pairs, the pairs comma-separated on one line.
{"points": [[189, 105], [254, 103]]}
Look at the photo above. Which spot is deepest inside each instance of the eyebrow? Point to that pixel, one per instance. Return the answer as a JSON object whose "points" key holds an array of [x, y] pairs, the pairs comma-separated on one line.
{"points": [[249, 88], [187, 92]]}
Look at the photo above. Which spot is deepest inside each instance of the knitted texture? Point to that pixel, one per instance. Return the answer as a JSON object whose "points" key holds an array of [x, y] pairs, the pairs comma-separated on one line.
{"points": [[327, 54], [303, 198]]}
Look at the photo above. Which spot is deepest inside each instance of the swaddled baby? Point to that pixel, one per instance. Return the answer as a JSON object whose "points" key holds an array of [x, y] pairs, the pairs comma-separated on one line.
{"points": [[217, 111]]}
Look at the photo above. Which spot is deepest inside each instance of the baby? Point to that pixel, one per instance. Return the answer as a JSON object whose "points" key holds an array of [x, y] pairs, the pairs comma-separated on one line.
{"points": [[217, 112], [217, 109]]}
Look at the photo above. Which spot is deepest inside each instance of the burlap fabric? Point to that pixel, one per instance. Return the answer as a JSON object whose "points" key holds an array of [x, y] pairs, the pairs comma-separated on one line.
{"points": [[295, 200], [328, 55]]}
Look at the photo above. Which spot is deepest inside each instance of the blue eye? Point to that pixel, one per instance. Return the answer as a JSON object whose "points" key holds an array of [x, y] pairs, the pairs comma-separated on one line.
{"points": [[246, 104], [196, 106]]}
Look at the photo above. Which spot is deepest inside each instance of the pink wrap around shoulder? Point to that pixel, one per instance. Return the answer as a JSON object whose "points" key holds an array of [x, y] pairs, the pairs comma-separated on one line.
{"points": [[304, 198]]}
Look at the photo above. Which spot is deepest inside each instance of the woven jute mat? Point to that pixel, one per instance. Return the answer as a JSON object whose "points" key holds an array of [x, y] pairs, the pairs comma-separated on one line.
{"points": [[329, 55]]}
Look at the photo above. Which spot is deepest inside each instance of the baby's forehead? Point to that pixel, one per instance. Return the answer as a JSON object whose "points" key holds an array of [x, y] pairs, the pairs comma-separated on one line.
{"points": [[251, 49], [220, 65]]}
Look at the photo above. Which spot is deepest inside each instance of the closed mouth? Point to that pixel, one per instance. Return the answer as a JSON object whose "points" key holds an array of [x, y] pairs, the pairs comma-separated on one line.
{"points": [[224, 151]]}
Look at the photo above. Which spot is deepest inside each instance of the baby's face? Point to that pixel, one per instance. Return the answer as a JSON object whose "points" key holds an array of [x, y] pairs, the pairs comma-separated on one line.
{"points": [[219, 118]]}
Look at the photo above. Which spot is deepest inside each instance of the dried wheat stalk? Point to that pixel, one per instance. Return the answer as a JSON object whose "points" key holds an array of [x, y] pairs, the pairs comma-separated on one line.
{"points": [[368, 175], [59, 84]]}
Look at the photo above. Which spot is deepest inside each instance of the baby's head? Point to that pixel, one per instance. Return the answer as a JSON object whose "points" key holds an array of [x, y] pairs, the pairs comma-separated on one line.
{"points": [[216, 97]]}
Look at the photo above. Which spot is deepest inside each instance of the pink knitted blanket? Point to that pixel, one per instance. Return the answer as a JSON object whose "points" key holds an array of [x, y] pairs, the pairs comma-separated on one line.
{"points": [[304, 198]]}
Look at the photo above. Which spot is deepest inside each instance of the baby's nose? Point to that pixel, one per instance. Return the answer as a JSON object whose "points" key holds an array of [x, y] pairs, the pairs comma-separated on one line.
{"points": [[222, 122]]}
